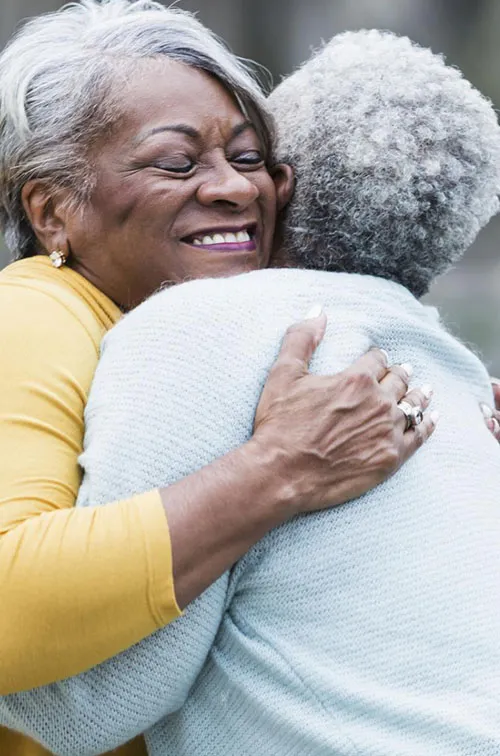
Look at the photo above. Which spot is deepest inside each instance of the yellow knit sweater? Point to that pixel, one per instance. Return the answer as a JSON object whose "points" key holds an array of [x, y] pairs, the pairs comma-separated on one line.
{"points": [[78, 585]]}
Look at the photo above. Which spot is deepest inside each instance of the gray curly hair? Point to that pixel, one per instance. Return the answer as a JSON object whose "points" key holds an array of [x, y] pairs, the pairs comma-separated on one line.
{"points": [[60, 80], [397, 159]]}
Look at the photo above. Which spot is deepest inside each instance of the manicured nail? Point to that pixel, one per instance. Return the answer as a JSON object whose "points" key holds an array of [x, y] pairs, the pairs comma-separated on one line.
{"points": [[407, 368], [496, 426], [427, 390], [495, 381], [314, 312], [434, 416], [486, 410]]}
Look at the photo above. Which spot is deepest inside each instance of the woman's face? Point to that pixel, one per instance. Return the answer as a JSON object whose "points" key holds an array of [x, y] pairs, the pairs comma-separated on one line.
{"points": [[182, 189]]}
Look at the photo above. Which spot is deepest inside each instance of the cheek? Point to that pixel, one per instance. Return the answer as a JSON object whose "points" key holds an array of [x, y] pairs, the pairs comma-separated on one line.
{"points": [[130, 200], [112, 208], [85, 229], [155, 211]]}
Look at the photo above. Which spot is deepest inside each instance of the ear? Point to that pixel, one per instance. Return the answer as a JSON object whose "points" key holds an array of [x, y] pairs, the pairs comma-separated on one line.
{"points": [[284, 181], [46, 211]]}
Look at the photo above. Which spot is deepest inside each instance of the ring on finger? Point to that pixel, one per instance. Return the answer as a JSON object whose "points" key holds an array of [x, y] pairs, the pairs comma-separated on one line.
{"points": [[414, 415]]}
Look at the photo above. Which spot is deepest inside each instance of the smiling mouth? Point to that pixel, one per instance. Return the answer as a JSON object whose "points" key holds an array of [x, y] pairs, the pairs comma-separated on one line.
{"points": [[224, 240]]}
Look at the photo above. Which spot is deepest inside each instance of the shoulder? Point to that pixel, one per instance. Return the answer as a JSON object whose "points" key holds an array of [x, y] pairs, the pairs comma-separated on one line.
{"points": [[34, 296], [204, 302], [46, 327]]}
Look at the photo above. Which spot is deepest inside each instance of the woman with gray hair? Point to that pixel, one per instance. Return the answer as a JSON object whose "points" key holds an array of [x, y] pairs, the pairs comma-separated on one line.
{"points": [[372, 628], [135, 150]]}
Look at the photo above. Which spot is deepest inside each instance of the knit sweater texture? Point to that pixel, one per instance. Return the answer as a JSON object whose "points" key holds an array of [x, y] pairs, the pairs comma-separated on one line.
{"points": [[372, 629]]}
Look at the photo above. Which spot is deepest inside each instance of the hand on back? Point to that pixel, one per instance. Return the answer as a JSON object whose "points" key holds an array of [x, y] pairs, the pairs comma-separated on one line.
{"points": [[336, 437]]}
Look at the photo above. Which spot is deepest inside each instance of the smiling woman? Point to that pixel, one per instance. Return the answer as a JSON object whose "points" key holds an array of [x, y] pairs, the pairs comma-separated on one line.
{"points": [[136, 150], [172, 189]]}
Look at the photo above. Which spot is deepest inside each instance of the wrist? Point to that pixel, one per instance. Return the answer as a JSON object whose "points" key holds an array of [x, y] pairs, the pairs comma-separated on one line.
{"points": [[271, 466], [218, 513]]}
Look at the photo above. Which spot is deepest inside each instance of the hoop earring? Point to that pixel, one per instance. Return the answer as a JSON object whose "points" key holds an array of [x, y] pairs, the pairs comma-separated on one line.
{"points": [[58, 258]]}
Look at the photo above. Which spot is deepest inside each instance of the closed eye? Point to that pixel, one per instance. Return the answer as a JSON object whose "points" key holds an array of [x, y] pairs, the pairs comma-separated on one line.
{"points": [[172, 167], [251, 159]]}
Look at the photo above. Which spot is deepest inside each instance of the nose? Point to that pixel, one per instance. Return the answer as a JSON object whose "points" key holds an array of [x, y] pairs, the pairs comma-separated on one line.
{"points": [[226, 185]]}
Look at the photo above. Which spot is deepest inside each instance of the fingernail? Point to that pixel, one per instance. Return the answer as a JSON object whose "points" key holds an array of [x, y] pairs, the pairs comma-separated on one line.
{"points": [[486, 410], [434, 416], [314, 312], [427, 390], [386, 355], [495, 381], [407, 368], [496, 426]]}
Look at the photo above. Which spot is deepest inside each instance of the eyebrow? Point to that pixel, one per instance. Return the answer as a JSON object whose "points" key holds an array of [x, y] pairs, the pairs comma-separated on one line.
{"points": [[189, 131]]}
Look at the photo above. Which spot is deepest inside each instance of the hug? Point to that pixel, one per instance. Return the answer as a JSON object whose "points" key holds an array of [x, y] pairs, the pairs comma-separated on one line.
{"points": [[370, 627]]}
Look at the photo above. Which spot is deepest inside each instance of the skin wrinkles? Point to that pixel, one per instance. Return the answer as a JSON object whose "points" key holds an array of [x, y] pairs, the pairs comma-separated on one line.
{"points": [[183, 159], [183, 128]]}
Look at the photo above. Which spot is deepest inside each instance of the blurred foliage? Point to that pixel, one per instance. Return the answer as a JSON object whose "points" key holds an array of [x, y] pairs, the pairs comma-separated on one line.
{"points": [[281, 33]]}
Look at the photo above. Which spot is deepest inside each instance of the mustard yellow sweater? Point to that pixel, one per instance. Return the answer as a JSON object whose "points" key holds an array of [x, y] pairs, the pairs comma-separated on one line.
{"points": [[78, 585]]}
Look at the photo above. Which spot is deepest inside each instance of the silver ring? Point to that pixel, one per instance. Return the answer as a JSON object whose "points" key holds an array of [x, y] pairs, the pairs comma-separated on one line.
{"points": [[414, 415]]}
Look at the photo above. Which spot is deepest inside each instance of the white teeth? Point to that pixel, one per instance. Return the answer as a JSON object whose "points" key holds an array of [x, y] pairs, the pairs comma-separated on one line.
{"points": [[217, 239]]}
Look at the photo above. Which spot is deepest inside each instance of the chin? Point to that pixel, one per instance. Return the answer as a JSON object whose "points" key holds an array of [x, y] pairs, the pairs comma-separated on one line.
{"points": [[223, 265], [242, 266]]}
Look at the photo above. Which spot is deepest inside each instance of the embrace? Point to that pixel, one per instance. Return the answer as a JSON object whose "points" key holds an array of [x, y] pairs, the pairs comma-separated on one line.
{"points": [[240, 531]]}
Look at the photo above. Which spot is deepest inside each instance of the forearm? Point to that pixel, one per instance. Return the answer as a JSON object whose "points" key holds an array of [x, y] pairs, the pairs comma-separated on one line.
{"points": [[104, 575], [79, 586], [218, 513], [215, 515], [115, 701]]}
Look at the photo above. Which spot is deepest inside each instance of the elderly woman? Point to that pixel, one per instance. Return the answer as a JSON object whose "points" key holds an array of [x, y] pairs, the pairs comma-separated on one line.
{"points": [[136, 150], [386, 642]]}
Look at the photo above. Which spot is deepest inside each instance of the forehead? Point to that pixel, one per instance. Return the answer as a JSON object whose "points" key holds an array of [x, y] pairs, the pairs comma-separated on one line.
{"points": [[164, 91]]}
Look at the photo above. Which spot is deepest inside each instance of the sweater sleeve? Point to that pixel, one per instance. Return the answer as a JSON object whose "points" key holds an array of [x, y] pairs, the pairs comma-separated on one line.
{"points": [[129, 409], [78, 585], [125, 696]]}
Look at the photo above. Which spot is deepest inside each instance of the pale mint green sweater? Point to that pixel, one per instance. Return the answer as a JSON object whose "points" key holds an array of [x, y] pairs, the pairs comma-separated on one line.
{"points": [[369, 630]]}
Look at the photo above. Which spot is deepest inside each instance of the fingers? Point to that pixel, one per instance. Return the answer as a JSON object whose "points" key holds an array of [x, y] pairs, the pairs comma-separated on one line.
{"points": [[415, 438], [495, 385], [299, 344], [494, 425], [375, 363], [492, 420], [395, 382], [420, 397]]}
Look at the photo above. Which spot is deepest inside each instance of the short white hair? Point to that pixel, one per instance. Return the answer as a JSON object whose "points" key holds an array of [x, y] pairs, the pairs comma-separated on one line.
{"points": [[59, 92], [397, 159]]}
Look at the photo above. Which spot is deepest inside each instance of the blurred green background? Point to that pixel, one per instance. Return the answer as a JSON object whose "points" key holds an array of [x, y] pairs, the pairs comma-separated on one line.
{"points": [[281, 33]]}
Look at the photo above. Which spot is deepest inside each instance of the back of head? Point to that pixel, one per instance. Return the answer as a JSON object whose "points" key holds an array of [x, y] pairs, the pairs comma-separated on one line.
{"points": [[397, 159]]}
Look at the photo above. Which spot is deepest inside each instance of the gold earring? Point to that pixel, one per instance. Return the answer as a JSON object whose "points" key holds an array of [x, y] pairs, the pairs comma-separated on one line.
{"points": [[58, 258]]}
